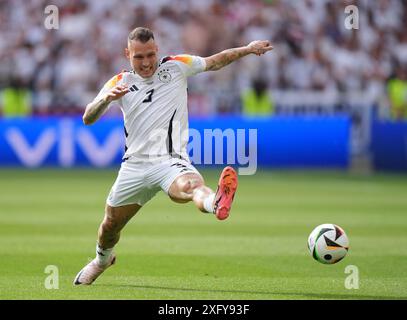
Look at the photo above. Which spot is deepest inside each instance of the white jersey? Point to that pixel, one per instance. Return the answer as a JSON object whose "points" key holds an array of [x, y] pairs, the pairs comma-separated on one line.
{"points": [[155, 109]]}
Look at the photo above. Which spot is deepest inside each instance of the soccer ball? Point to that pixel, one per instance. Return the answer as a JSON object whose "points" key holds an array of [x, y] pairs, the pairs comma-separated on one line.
{"points": [[328, 243]]}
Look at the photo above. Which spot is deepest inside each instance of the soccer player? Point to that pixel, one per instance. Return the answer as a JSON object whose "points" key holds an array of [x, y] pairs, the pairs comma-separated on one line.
{"points": [[153, 99]]}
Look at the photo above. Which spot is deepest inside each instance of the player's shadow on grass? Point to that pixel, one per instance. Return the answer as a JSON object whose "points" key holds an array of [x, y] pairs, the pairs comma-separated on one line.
{"points": [[265, 293]]}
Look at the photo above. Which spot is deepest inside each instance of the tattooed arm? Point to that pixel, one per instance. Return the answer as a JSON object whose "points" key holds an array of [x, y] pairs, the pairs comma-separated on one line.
{"points": [[95, 109], [219, 60]]}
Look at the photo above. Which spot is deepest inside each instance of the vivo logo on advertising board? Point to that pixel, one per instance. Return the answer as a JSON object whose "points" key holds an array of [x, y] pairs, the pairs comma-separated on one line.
{"points": [[65, 138]]}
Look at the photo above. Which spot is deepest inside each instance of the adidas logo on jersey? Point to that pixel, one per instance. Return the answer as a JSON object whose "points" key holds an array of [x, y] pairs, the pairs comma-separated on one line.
{"points": [[133, 88]]}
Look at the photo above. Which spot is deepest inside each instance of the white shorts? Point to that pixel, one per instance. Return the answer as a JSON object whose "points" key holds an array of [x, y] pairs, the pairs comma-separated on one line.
{"points": [[138, 181]]}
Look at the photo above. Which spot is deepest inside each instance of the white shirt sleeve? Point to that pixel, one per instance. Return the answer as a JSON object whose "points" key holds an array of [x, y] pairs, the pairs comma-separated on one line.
{"points": [[116, 80], [189, 64]]}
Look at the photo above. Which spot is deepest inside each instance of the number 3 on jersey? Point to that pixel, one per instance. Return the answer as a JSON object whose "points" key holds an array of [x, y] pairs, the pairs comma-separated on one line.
{"points": [[150, 96]]}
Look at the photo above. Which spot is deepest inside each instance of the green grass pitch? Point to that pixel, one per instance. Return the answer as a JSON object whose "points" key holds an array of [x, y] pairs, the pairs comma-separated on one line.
{"points": [[172, 251]]}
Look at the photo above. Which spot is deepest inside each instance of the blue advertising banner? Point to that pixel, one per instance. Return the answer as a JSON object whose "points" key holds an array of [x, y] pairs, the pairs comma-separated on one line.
{"points": [[245, 142], [389, 145]]}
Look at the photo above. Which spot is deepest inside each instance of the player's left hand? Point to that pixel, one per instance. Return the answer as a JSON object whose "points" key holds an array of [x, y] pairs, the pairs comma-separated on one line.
{"points": [[260, 47]]}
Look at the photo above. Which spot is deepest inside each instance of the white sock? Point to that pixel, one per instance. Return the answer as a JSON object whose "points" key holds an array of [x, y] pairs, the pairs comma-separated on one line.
{"points": [[208, 203], [103, 255]]}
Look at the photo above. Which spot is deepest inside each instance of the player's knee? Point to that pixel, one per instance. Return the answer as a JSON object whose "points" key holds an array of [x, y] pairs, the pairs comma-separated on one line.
{"points": [[185, 186], [179, 188], [179, 192], [183, 189], [190, 185]]}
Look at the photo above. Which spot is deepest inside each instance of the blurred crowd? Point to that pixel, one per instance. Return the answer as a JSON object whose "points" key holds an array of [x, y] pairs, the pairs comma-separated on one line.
{"points": [[316, 59]]}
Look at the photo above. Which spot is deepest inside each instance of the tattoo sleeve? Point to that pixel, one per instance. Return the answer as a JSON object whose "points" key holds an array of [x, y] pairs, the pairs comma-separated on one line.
{"points": [[221, 59], [94, 110]]}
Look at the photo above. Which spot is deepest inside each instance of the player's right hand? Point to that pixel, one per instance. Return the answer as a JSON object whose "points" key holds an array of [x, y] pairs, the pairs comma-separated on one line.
{"points": [[116, 92]]}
